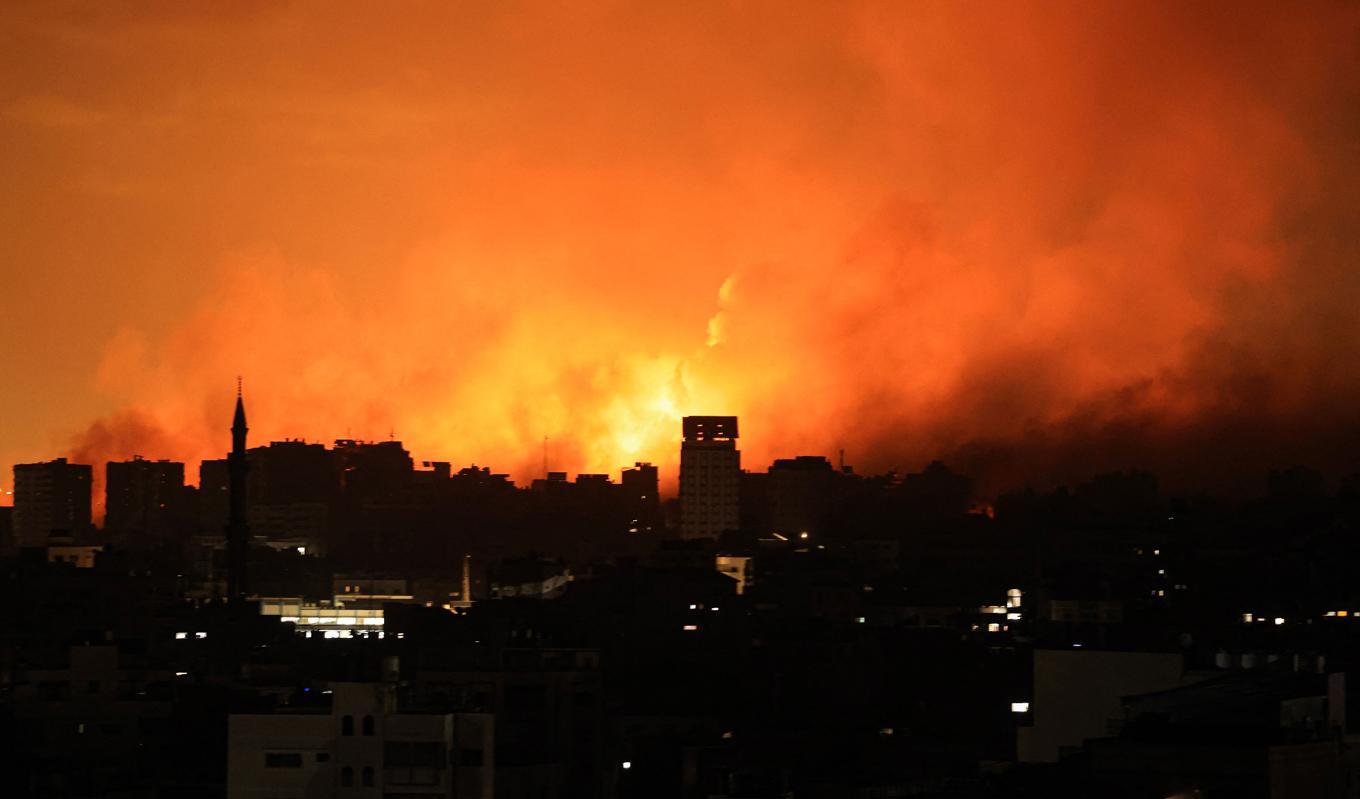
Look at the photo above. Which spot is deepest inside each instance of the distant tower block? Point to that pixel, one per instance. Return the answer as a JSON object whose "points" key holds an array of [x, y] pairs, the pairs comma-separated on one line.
{"points": [[710, 475], [48, 497]]}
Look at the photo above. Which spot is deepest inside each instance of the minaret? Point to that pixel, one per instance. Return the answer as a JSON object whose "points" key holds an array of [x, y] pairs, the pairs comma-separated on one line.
{"points": [[238, 532]]}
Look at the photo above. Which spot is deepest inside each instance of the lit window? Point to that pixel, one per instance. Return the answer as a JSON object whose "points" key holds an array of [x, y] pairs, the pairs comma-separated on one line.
{"points": [[181, 636], [1278, 620], [993, 628], [627, 764], [689, 628], [1019, 707], [1014, 616], [1247, 618]]}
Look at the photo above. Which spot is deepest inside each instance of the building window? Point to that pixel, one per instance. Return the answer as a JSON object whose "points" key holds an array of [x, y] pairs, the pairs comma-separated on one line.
{"points": [[368, 725], [413, 762], [346, 777], [323, 757], [347, 725], [282, 760], [368, 777]]}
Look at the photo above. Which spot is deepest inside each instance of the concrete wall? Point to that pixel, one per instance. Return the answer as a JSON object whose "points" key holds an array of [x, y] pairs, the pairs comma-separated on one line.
{"points": [[1078, 692]]}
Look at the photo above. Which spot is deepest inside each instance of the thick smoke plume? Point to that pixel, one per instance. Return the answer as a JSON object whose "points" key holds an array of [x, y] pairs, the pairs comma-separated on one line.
{"points": [[1037, 240]]}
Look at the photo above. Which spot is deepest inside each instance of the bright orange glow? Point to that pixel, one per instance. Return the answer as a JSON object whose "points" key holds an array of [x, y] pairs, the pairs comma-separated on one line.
{"points": [[1033, 239]]}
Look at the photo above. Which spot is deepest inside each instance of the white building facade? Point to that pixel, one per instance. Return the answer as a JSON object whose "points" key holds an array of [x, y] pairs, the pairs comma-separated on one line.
{"points": [[361, 749], [710, 477]]}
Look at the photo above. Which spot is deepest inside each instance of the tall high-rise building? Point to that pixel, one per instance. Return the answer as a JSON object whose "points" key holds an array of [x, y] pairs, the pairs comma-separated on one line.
{"points": [[143, 500], [50, 496], [710, 476]]}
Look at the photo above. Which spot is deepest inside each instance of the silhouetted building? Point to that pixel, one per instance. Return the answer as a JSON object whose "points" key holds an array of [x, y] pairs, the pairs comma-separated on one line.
{"points": [[292, 490], [710, 476], [50, 496], [213, 481], [753, 502], [238, 528], [937, 492], [142, 500], [292, 472], [372, 470], [552, 482], [800, 494], [433, 472], [641, 489], [7, 542]]}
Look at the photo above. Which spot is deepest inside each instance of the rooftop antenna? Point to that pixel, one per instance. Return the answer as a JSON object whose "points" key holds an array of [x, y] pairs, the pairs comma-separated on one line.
{"points": [[842, 464], [238, 387], [545, 457]]}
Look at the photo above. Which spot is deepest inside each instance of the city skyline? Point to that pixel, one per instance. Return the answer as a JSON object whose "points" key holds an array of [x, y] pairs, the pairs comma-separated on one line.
{"points": [[669, 466], [731, 399]]}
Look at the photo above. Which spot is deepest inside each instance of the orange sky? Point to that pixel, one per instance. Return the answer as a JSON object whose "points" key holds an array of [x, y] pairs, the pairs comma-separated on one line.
{"points": [[1038, 239]]}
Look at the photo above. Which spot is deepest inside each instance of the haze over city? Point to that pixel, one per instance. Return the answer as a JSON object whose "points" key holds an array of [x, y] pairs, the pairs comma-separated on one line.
{"points": [[1036, 241], [513, 399]]}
